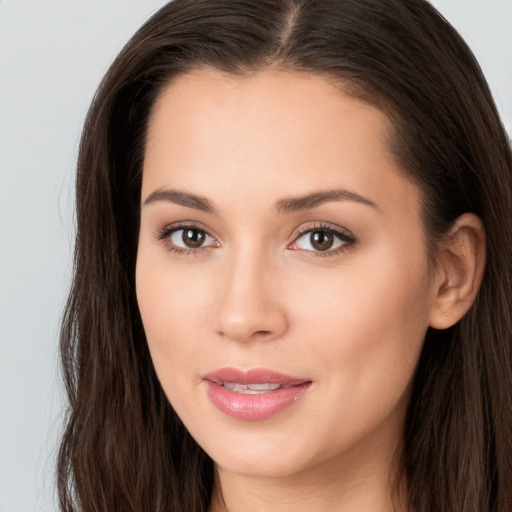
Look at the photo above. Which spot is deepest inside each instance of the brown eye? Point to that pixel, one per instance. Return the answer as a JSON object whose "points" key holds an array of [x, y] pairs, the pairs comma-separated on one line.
{"points": [[321, 240], [188, 238], [193, 238]]}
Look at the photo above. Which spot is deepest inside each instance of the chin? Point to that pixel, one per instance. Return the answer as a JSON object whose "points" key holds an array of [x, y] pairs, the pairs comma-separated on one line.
{"points": [[272, 463]]}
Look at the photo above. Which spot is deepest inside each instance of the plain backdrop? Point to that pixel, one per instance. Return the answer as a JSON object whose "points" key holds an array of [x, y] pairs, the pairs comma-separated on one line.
{"points": [[53, 54]]}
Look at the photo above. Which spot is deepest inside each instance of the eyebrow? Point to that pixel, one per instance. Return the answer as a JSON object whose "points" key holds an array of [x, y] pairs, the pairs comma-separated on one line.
{"points": [[309, 201], [283, 206], [181, 198]]}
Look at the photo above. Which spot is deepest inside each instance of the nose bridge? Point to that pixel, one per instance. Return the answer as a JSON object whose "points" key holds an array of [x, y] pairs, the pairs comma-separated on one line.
{"points": [[249, 305]]}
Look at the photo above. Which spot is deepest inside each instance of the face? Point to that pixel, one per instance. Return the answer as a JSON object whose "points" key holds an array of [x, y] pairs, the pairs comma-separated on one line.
{"points": [[282, 272]]}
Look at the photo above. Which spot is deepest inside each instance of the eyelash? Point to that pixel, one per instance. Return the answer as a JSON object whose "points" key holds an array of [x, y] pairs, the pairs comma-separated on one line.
{"points": [[346, 237]]}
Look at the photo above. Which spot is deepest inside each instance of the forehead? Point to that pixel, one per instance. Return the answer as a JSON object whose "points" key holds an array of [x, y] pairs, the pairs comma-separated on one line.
{"points": [[271, 132], [298, 106]]}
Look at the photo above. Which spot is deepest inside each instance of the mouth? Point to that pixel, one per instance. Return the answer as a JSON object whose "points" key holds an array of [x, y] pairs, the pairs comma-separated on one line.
{"points": [[255, 394]]}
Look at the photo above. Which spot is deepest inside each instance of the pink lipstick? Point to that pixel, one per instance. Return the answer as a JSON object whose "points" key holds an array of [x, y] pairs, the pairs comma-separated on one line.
{"points": [[255, 394]]}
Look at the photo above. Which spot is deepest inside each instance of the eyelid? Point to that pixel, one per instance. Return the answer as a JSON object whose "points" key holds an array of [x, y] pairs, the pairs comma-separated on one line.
{"points": [[183, 224]]}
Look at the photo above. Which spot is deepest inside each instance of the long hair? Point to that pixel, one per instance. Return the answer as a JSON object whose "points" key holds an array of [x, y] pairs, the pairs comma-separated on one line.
{"points": [[124, 448]]}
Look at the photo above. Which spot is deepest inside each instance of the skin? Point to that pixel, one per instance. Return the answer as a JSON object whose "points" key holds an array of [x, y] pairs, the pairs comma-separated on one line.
{"points": [[257, 293]]}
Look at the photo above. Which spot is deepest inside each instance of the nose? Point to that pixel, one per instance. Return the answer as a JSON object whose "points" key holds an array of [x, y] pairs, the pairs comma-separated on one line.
{"points": [[249, 305]]}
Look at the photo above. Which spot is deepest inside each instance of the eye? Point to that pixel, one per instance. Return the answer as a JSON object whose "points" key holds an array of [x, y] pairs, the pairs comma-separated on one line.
{"points": [[186, 238], [190, 238], [323, 239]]}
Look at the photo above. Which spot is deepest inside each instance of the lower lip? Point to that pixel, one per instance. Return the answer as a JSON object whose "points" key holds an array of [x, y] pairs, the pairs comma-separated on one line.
{"points": [[254, 407]]}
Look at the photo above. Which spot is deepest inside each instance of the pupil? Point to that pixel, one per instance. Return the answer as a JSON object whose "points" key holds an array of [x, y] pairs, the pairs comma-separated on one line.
{"points": [[193, 237], [322, 240]]}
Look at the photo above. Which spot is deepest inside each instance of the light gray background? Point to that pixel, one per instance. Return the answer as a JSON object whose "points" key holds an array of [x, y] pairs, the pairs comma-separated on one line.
{"points": [[52, 56]]}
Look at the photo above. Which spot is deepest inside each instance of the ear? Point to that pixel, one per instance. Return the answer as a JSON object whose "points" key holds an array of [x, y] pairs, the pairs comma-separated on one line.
{"points": [[460, 268]]}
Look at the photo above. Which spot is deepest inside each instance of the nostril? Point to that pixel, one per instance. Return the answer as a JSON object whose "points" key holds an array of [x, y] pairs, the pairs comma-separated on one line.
{"points": [[261, 333]]}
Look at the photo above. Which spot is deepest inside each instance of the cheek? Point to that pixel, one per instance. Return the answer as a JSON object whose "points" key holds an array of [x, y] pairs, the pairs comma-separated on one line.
{"points": [[362, 335], [367, 324], [170, 304]]}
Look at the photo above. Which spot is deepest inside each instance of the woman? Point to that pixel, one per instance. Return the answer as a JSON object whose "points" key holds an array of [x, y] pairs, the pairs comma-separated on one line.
{"points": [[292, 283]]}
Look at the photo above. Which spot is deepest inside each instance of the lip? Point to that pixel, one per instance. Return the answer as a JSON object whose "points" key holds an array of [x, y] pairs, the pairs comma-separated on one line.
{"points": [[254, 407]]}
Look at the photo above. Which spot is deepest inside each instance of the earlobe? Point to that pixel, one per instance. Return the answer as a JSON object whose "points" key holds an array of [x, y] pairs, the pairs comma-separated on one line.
{"points": [[461, 265]]}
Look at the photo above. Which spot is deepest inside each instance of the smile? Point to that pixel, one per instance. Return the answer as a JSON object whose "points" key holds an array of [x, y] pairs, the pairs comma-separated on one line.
{"points": [[253, 395]]}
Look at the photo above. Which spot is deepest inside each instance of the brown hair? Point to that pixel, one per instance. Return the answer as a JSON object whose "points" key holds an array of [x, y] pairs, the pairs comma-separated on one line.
{"points": [[124, 448]]}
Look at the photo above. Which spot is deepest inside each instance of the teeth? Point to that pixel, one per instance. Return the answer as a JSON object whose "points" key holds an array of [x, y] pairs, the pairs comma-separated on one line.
{"points": [[263, 387], [250, 389]]}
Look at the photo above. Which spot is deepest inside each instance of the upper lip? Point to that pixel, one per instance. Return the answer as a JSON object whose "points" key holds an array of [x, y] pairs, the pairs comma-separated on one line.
{"points": [[253, 376]]}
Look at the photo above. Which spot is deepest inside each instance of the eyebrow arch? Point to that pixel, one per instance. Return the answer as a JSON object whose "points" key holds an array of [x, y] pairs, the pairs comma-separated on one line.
{"points": [[309, 201], [181, 198]]}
